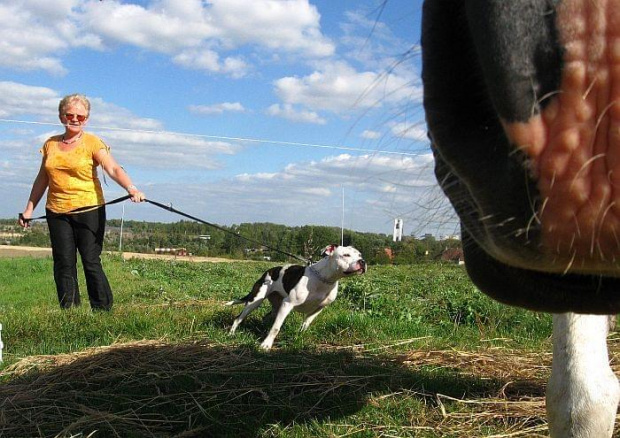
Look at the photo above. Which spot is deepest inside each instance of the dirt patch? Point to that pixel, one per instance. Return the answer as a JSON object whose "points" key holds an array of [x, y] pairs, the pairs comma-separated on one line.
{"points": [[134, 255], [9, 251]]}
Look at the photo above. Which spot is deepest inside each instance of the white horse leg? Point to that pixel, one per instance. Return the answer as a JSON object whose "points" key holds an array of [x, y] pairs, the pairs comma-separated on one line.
{"points": [[583, 392]]}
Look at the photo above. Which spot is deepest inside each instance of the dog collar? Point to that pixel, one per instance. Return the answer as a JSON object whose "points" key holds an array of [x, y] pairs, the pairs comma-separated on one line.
{"points": [[320, 277]]}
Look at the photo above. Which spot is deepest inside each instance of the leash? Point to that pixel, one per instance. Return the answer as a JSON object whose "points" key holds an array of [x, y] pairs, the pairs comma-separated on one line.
{"points": [[75, 211], [247, 239], [173, 210]]}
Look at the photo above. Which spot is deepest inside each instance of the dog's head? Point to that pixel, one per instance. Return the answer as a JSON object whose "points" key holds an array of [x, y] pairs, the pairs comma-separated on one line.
{"points": [[345, 259]]}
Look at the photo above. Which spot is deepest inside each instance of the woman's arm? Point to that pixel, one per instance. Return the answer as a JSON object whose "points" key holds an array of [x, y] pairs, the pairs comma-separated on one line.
{"points": [[38, 189], [118, 174]]}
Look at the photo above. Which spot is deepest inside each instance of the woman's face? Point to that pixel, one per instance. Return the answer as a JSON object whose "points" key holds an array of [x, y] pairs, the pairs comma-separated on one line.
{"points": [[74, 116]]}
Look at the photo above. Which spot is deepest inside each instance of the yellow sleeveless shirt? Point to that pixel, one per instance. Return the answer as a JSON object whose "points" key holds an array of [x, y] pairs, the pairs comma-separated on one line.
{"points": [[73, 180]]}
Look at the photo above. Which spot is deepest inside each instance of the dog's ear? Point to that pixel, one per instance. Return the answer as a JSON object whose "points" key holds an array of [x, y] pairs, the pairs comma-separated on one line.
{"points": [[329, 250]]}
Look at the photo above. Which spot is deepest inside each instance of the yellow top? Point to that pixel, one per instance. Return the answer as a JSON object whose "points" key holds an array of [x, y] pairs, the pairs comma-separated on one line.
{"points": [[73, 180]]}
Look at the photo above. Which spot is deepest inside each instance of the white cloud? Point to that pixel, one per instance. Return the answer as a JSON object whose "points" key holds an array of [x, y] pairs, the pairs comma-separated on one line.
{"points": [[19, 99], [167, 150], [320, 192], [373, 69], [236, 67], [378, 188], [261, 176], [370, 135], [412, 131], [162, 26], [205, 59], [289, 25], [218, 108], [288, 112], [109, 115], [339, 88], [35, 34], [169, 25], [371, 42], [361, 172]]}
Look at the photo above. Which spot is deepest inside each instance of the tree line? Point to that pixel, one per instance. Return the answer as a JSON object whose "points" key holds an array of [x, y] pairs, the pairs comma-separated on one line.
{"points": [[246, 240]]}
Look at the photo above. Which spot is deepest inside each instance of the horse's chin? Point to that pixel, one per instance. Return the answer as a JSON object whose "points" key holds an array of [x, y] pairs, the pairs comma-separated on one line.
{"points": [[538, 290]]}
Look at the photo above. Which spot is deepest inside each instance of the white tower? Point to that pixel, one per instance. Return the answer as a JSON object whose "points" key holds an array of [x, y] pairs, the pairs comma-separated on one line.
{"points": [[398, 230]]}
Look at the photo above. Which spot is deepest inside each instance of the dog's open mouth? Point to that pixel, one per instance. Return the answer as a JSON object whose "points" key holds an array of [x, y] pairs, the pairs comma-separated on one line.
{"points": [[361, 269]]}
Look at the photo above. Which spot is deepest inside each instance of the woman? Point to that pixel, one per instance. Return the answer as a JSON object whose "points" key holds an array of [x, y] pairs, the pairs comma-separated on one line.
{"points": [[69, 174]]}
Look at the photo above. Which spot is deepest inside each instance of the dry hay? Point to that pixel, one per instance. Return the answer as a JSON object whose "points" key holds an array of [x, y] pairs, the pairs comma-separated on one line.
{"points": [[518, 404], [157, 389], [152, 388], [45, 362]]}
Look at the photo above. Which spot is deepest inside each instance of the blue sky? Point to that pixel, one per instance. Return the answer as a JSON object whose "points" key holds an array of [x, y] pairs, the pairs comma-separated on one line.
{"points": [[231, 110]]}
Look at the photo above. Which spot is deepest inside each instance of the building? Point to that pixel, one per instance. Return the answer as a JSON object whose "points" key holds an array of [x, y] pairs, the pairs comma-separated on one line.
{"points": [[398, 230]]}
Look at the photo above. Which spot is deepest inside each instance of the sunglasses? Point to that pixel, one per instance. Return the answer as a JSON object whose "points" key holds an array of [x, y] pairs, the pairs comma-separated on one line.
{"points": [[70, 116]]}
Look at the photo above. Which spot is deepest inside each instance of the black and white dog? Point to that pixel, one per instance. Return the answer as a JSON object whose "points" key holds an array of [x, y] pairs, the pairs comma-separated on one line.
{"points": [[306, 289]]}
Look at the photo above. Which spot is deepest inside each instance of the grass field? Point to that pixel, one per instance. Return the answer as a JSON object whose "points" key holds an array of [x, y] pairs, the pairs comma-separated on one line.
{"points": [[404, 351]]}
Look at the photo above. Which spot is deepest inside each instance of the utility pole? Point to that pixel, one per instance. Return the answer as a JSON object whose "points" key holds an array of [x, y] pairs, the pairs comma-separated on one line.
{"points": [[342, 220]]}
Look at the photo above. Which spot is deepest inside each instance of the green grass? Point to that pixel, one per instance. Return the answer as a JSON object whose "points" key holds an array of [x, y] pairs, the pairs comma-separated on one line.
{"points": [[181, 300], [343, 377]]}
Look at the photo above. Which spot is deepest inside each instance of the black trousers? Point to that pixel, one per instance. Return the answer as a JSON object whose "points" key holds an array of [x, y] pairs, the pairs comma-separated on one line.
{"points": [[83, 233]]}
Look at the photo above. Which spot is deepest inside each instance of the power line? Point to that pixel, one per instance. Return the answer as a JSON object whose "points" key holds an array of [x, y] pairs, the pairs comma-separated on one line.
{"points": [[239, 139]]}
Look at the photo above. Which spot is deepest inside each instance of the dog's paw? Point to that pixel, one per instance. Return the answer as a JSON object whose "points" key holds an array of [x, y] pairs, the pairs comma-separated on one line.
{"points": [[266, 345]]}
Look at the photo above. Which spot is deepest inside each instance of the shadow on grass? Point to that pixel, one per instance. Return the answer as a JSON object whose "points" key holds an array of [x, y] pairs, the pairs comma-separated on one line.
{"points": [[199, 390]]}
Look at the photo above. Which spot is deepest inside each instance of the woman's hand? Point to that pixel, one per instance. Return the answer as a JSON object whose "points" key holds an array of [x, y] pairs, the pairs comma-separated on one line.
{"points": [[136, 195], [24, 219]]}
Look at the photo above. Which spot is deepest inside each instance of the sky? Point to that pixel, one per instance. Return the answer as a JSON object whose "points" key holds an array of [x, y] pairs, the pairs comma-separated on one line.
{"points": [[295, 112]]}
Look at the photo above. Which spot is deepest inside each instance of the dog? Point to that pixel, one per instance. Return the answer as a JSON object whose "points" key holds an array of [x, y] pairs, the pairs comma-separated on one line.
{"points": [[306, 289]]}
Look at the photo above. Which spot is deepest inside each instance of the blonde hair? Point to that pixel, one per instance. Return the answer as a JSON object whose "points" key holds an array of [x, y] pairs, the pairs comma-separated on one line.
{"points": [[80, 98]]}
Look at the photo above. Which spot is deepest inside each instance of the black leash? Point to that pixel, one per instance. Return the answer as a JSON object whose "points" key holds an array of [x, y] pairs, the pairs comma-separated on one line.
{"points": [[173, 210], [77, 210]]}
